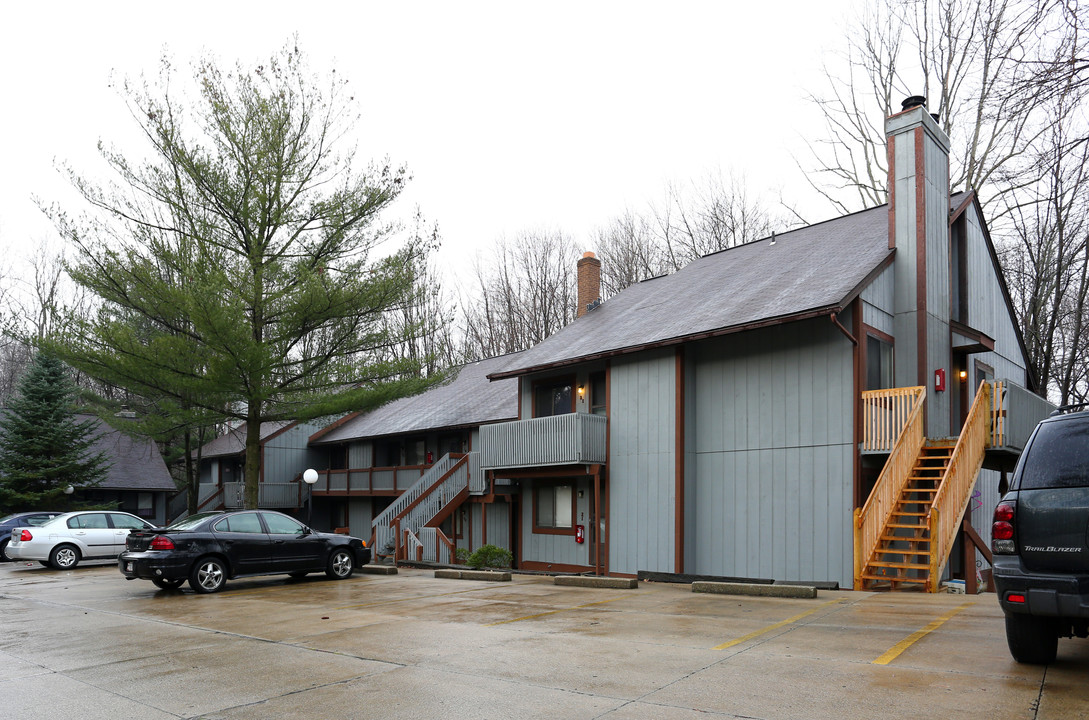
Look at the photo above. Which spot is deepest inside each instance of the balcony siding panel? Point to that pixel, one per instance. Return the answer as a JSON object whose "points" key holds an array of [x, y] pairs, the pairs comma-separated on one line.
{"points": [[573, 438]]}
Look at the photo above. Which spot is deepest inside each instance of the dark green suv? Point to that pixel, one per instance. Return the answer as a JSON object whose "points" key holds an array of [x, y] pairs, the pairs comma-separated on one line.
{"points": [[1040, 539]]}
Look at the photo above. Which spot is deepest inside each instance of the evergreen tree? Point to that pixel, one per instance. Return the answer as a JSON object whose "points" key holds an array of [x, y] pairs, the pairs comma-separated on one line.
{"points": [[44, 448]]}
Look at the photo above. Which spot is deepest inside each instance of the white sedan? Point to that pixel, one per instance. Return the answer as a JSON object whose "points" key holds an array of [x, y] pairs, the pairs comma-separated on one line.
{"points": [[65, 540]]}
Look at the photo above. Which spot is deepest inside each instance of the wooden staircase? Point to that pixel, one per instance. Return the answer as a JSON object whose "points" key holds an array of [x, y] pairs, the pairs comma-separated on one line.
{"points": [[902, 556], [906, 529]]}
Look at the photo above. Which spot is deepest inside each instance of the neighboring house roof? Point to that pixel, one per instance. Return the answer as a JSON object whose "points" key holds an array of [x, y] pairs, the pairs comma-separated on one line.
{"points": [[136, 463], [233, 442], [467, 400], [815, 270]]}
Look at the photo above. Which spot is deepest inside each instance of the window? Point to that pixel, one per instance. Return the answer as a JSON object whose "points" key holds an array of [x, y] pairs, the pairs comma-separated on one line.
{"points": [[879, 364], [245, 523], [958, 271], [124, 521], [90, 521], [282, 525], [554, 397], [597, 393], [554, 508]]}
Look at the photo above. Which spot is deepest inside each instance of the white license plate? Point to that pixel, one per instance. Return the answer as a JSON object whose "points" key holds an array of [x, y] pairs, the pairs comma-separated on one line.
{"points": [[128, 567]]}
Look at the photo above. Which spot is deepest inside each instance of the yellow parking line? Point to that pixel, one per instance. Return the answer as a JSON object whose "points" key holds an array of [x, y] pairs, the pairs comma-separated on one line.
{"points": [[769, 628], [551, 612], [910, 640]]}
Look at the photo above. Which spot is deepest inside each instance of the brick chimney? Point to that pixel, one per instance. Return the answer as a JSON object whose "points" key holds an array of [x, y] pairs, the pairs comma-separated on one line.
{"points": [[589, 273]]}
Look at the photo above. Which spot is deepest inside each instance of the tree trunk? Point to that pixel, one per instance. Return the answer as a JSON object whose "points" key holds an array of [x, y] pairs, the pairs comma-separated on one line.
{"points": [[252, 472]]}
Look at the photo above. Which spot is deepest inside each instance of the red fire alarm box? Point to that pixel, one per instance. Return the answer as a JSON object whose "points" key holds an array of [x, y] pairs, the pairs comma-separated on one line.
{"points": [[939, 380], [580, 533]]}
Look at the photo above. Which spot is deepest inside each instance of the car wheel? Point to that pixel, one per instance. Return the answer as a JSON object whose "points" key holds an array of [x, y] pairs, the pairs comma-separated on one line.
{"points": [[341, 565], [1032, 640], [64, 557], [165, 584], [208, 576], [4, 551]]}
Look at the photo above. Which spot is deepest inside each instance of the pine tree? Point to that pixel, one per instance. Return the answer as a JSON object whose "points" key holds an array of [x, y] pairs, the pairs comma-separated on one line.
{"points": [[44, 447]]}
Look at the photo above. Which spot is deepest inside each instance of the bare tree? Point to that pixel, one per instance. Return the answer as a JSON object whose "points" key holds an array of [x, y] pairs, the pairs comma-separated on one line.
{"points": [[524, 291], [966, 58], [692, 221], [1047, 257]]}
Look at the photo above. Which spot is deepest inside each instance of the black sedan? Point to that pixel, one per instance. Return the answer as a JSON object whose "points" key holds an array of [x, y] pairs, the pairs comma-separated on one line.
{"points": [[209, 548]]}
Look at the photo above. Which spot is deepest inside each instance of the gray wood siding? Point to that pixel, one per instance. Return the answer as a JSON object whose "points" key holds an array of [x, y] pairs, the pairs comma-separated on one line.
{"points": [[498, 533], [287, 455], [987, 309], [360, 517], [642, 411], [361, 454], [877, 302], [774, 454]]}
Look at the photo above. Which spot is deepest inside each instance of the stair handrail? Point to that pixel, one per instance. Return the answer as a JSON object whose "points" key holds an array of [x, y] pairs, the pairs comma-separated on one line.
{"points": [[955, 489], [382, 524], [871, 518], [445, 491]]}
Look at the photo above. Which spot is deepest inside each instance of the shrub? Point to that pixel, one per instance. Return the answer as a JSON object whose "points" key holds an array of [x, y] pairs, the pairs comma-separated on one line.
{"points": [[461, 556], [490, 556]]}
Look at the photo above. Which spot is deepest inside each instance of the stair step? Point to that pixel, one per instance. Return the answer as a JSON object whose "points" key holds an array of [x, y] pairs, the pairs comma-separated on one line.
{"points": [[905, 538], [901, 551], [893, 578], [900, 566], [905, 526]]}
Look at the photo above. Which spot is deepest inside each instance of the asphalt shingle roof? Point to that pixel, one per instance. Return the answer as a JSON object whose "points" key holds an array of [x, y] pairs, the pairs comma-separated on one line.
{"points": [[233, 442], [137, 463], [805, 270], [465, 401]]}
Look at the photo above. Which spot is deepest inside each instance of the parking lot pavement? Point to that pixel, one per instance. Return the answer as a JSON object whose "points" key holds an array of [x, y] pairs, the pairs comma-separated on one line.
{"points": [[87, 644]]}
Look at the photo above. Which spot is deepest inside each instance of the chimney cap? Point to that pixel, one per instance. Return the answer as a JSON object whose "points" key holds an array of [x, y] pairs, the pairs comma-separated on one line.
{"points": [[588, 254], [913, 101]]}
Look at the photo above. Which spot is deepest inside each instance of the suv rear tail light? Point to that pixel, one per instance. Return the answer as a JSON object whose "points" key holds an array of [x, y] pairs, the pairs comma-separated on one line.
{"points": [[161, 542], [1002, 530], [25, 536]]}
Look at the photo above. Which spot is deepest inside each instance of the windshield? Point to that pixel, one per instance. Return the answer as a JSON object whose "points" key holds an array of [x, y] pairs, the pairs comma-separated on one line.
{"points": [[1058, 456], [192, 521]]}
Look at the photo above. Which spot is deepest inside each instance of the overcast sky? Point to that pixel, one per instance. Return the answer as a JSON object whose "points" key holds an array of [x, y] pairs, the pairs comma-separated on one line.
{"points": [[509, 115]]}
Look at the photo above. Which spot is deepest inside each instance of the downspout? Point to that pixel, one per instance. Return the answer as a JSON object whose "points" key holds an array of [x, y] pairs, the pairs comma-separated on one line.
{"points": [[844, 330]]}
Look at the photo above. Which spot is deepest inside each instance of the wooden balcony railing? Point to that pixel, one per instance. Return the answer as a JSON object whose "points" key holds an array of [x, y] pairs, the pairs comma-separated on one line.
{"points": [[885, 413], [955, 489], [557, 440], [368, 481], [871, 518]]}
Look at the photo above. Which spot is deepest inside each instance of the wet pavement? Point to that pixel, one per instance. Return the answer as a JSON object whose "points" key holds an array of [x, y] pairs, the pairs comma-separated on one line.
{"points": [[87, 644]]}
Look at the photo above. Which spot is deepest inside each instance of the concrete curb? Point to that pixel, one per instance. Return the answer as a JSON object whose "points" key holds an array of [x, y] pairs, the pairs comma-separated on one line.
{"points": [[613, 583], [473, 575], [753, 590], [379, 569]]}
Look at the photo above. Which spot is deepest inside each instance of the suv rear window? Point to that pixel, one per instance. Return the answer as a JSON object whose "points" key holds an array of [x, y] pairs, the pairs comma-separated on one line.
{"points": [[1058, 456]]}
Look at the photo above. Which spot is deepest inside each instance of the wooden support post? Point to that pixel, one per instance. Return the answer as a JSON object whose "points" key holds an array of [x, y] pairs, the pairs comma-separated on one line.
{"points": [[970, 586]]}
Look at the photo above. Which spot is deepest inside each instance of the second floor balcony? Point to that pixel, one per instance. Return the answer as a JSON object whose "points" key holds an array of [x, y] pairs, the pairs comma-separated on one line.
{"points": [[571, 439]]}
